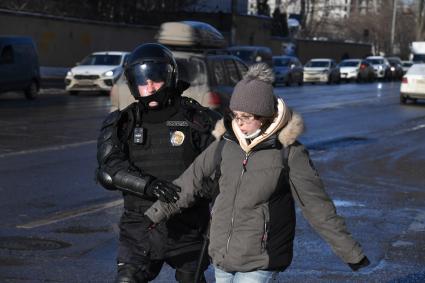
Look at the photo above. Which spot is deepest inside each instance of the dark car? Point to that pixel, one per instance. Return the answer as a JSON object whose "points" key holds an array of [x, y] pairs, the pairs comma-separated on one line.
{"points": [[288, 70], [253, 54], [19, 68], [396, 68]]}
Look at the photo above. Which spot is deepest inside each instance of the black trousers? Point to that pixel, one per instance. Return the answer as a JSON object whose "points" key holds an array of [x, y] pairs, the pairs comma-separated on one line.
{"points": [[143, 251]]}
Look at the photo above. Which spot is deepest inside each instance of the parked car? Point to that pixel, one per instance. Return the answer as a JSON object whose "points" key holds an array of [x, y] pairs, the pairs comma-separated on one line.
{"points": [[97, 72], [212, 76], [252, 54], [413, 84], [321, 70], [287, 70], [212, 73], [356, 69], [396, 68], [19, 67], [406, 65], [381, 66]]}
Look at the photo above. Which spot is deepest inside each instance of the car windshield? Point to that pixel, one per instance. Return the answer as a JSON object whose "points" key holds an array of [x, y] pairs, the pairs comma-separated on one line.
{"points": [[418, 58], [281, 62], [191, 71], [109, 60], [245, 55], [393, 61], [318, 64], [349, 64], [376, 61]]}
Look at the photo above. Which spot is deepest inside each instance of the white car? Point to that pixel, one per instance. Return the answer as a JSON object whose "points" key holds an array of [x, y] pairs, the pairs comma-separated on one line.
{"points": [[321, 70], [97, 72], [381, 66], [406, 65], [356, 69], [413, 84]]}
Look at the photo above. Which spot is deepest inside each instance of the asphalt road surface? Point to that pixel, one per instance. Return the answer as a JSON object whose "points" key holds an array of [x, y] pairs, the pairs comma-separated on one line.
{"points": [[57, 225]]}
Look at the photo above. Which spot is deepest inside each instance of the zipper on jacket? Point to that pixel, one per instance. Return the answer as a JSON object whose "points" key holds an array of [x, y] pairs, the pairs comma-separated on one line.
{"points": [[244, 163], [265, 235]]}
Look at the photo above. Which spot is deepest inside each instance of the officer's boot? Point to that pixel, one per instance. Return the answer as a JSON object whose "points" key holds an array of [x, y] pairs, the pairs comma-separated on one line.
{"points": [[129, 273], [188, 277]]}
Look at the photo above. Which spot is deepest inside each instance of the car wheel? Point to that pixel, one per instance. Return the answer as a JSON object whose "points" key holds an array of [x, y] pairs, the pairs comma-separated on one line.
{"points": [[403, 99], [73, 92], [32, 91], [288, 82]]}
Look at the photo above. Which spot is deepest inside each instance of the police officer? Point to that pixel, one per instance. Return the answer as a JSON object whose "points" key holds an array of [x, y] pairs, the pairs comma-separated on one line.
{"points": [[140, 150]]}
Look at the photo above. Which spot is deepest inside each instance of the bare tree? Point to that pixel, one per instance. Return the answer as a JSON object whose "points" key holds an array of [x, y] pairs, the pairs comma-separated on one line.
{"points": [[317, 19], [420, 21], [374, 28], [263, 8]]}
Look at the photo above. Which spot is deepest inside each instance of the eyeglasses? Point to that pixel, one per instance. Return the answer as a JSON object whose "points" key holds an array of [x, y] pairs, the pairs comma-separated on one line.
{"points": [[246, 119]]}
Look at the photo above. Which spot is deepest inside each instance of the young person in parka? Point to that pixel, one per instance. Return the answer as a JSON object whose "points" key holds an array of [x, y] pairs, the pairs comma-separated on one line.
{"points": [[263, 169]]}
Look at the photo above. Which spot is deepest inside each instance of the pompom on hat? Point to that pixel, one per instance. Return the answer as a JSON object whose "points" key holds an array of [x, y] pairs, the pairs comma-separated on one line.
{"points": [[254, 93]]}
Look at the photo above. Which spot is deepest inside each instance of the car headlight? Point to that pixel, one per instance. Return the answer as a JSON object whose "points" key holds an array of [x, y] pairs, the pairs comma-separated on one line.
{"points": [[109, 73], [69, 74], [325, 71], [392, 69]]}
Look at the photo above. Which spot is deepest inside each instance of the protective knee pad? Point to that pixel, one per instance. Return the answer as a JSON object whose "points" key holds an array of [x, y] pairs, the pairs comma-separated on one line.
{"points": [[129, 273], [188, 277]]}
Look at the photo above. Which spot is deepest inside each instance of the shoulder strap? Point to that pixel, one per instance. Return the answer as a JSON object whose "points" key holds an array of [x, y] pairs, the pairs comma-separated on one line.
{"points": [[285, 155], [217, 157]]}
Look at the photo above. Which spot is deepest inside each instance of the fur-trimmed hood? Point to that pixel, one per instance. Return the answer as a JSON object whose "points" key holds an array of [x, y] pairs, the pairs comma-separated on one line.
{"points": [[288, 132]]}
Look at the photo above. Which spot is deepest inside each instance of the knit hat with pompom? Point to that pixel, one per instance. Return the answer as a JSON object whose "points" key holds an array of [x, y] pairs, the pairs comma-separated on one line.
{"points": [[254, 93]]}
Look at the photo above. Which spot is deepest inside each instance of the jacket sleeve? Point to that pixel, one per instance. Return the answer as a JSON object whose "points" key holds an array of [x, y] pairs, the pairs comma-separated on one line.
{"points": [[190, 183], [317, 207], [114, 171], [115, 103]]}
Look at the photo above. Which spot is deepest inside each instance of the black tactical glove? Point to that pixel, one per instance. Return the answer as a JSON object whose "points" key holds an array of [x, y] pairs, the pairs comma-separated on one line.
{"points": [[163, 190], [363, 263]]}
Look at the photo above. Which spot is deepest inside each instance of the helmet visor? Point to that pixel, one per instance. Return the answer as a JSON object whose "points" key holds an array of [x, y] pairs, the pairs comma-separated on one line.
{"points": [[140, 74]]}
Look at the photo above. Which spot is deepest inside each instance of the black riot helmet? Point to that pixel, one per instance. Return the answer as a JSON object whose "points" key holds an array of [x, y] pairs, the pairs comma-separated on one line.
{"points": [[151, 63]]}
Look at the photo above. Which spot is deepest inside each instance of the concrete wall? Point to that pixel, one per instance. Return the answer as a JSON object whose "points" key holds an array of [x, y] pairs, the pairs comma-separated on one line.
{"points": [[308, 49], [63, 42]]}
